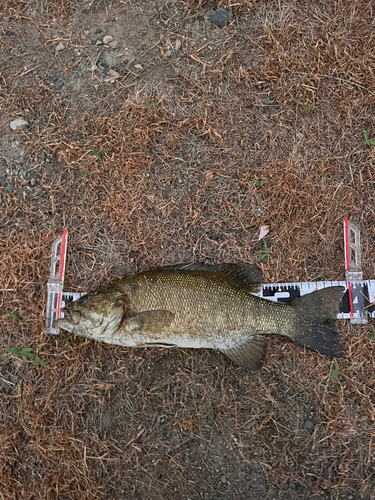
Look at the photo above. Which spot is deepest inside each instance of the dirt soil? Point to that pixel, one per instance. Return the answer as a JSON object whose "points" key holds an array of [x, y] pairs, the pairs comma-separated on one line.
{"points": [[175, 141]]}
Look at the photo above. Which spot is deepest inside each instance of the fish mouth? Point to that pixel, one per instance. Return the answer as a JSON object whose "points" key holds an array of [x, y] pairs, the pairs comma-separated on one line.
{"points": [[69, 316]]}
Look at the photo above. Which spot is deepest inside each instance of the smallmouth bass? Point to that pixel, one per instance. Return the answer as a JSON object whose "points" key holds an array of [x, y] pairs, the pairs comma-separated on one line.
{"points": [[204, 306]]}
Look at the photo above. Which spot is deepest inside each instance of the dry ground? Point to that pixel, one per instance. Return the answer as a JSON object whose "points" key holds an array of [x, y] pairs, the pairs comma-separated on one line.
{"points": [[261, 122]]}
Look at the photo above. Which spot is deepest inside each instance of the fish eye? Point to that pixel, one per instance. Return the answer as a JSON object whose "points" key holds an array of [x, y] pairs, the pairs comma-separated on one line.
{"points": [[83, 301]]}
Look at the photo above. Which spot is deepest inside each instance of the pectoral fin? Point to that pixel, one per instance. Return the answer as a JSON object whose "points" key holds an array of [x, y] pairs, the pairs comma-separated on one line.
{"points": [[150, 321], [250, 354]]}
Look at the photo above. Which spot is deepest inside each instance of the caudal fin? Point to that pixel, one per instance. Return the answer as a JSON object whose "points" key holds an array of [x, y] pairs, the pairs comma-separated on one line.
{"points": [[316, 316]]}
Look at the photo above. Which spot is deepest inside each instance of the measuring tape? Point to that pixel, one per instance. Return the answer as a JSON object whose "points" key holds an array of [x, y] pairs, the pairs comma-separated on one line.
{"points": [[358, 303]]}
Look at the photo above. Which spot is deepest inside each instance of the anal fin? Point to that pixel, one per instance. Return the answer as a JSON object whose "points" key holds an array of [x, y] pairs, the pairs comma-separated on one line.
{"points": [[250, 354]]}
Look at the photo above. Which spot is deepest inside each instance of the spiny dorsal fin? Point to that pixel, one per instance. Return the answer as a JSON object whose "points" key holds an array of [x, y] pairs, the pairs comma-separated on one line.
{"points": [[243, 274], [250, 354]]}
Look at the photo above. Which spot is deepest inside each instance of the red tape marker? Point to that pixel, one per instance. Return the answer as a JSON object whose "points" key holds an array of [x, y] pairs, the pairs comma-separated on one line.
{"points": [[62, 267]]}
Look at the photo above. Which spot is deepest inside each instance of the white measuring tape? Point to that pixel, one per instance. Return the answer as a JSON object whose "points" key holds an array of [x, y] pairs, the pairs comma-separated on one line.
{"points": [[358, 303]]}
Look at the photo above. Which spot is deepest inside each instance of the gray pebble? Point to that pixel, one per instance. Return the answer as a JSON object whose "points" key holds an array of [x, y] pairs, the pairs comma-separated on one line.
{"points": [[169, 53], [220, 17], [19, 124], [107, 39], [10, 187], [113, 44], [308, 424], [59, 47], [109, 60], [99, 42], [177, 44], [98, 31], [58, 84], [9, 33], [223, 479], [33, 181]]}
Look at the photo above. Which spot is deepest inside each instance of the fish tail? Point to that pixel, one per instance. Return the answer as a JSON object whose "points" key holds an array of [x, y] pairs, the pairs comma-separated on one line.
{"points": [[315, 324]]}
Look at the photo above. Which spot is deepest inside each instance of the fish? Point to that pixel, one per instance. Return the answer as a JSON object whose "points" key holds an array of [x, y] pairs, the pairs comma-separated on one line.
{"points": [[204, 306]]}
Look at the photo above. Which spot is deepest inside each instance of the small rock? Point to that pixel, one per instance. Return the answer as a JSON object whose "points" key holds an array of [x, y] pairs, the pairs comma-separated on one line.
{"points": [[107, 39], [215, 238], [42, 156], [299, 136], [10, 187], [113, 44], [114, 73], [112, 76], [308, 424], [138, 66], [9, 33], [223, 479], [220, 17], [60, 47], [178, 44], [19, 124], [77, 52], [241, 474], [58, 84], [98, 31], [33, 182], [169, 53], [109, 60], [99, 42]]}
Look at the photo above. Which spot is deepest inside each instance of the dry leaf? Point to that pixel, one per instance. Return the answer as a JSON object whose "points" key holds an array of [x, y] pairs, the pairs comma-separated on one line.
{"points": [[263, 232]]}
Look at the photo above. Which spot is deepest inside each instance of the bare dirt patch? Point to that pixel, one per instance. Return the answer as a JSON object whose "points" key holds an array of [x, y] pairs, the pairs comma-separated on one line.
{"points": [[201, 136]]}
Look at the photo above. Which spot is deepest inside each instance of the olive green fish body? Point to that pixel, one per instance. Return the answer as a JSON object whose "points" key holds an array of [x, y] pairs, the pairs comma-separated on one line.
{"points": [[201, 306], [207, 310]]}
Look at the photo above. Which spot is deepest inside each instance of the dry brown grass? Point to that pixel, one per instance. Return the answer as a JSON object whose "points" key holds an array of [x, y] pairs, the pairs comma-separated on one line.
{"points": [[181, 182]]}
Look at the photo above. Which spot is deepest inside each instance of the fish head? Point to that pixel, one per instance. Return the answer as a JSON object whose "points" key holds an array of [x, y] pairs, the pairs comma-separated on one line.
{"points": [[96, 315]]}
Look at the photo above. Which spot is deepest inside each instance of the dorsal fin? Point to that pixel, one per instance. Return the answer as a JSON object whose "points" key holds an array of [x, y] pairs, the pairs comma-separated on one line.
{"points": [[245, 275]]}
